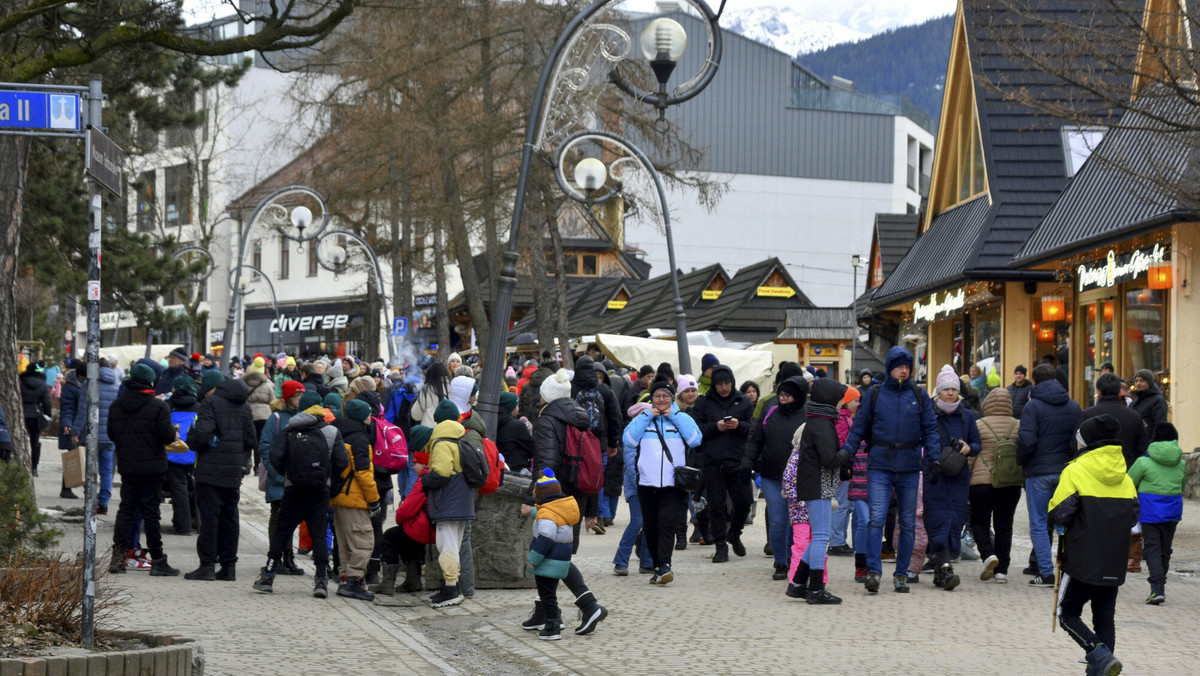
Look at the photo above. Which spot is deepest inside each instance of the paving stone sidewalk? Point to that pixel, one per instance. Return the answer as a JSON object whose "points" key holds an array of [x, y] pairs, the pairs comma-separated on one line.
{"points": [[716, 618]]}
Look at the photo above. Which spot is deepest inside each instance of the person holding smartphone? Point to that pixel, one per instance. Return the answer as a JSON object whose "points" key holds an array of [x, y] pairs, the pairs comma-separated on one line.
{"points": [[724, 416]]}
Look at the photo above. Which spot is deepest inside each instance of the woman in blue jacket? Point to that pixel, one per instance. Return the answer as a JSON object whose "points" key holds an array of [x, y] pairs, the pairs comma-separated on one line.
{"points": [[656, 442], [946, 496]]}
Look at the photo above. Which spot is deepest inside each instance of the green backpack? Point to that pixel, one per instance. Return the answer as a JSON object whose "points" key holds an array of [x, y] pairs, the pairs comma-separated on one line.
{"points": [[1005, 469]]}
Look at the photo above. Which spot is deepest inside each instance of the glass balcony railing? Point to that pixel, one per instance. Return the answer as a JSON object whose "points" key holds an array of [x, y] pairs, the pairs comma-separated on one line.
{"points": [[855, 102]]}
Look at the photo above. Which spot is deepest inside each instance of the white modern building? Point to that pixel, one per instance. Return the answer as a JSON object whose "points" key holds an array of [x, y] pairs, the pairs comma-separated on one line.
{"points": [[807, 164]]}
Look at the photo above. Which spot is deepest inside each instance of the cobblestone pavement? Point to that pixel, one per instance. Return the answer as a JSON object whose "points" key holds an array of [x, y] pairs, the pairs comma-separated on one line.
{"points": [[728, 618]]}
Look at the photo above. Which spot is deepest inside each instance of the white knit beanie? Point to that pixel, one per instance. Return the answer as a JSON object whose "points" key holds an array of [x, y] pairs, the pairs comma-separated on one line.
{"points": [[557, 386], [947, 379]]}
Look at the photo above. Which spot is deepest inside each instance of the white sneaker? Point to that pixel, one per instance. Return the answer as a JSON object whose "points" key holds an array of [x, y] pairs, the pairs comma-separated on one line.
{"points": [[1000, 578], [989, 567]]}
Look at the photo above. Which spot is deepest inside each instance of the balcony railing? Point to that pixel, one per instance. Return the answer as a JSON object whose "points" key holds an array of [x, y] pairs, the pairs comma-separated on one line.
{"points": [[811, 98]]}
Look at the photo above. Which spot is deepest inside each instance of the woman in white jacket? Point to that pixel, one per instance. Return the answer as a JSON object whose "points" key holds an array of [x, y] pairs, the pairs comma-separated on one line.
{"points": [[435, 389], [656, 442]]}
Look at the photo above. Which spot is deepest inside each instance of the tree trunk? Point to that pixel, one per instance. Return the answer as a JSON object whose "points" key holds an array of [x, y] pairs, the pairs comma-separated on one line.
{"points": [[443, 299], [533, 241], [406, 242], [14, 160], [461, 242], [371, 326], [560, 295], [490, 189]]}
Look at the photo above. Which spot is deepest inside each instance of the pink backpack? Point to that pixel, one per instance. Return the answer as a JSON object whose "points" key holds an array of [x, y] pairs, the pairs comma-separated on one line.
{"points": [[391, 448]]}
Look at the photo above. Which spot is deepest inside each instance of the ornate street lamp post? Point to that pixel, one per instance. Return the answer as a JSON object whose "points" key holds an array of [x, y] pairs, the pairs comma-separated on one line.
{"points": [[563, 97]]}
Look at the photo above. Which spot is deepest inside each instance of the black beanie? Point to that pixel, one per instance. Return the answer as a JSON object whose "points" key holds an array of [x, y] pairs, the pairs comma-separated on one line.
{"points": [[1102, 428], [664, 372], [1164, 431], [661, 384], [646, 370]]}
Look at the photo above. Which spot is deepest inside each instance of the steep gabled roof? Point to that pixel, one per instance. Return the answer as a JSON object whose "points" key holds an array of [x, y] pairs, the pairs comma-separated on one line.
{"points": [[654, 297], [1125, 187], [1022, 148], [741, 310], [691, 286], [936, 258], [587, 306], [894, 236]]}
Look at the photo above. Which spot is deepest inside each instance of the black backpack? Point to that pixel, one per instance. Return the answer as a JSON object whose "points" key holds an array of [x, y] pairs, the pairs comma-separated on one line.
{"points": [[473, 460], [309, 458], [592, 402]]}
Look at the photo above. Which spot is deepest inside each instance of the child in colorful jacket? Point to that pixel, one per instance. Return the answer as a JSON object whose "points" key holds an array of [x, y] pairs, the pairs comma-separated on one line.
{"points": [[550, 560], [1098, 505], [1159, 477], [856, 492]]}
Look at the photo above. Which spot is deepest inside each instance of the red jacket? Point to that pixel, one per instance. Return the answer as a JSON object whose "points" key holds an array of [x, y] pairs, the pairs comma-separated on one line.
{"points": [[525, 373], [413, 516]]}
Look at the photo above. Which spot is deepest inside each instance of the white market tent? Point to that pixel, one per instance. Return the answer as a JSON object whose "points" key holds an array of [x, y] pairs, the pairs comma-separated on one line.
{"points": [[750, 364]]}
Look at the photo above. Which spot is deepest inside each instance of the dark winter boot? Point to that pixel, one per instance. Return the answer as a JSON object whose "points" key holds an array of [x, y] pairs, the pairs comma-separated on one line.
{"points": [[355, 588], [681, 542], [206, 571], [722, 553], [537, 619], [117, 565], [160, 568], [289, 566], [798, 587], [695, 538], [590, 613], [227, 573], [265, 582], [552, 630], [949, 579], [939, 573], [448, 596], [860, 568], [780, 572], [372, 577], [412, 578], [817, 594], [735, 541], [320, 587], [1101, 662], [387, 581]]}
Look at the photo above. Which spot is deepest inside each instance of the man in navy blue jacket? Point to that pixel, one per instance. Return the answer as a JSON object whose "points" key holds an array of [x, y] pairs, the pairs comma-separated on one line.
{"points": [[897, 422], [1045, 443]]}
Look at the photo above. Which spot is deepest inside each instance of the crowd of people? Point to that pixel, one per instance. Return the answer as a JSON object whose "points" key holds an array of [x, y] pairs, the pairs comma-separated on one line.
{"points": [[915, 476]]}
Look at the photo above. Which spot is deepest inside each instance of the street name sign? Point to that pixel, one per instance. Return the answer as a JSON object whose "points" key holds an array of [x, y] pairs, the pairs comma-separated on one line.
{"points": [[39, 110], [103, 160]]}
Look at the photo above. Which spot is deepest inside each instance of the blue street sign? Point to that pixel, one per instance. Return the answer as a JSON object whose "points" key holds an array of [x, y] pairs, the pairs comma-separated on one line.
{"points": [[399, 326], [39, 110]]}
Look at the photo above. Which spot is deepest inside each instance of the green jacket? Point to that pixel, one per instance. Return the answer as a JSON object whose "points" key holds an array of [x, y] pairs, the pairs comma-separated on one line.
{"points": [[1161, 471]]}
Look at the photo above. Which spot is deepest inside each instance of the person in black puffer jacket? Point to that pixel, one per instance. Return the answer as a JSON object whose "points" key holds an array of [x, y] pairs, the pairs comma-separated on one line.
{"points": [[513, 439], [139, 424], [769, 448], [550, 440], [224, 417], [725, 417], [1148, 400], [818, 464], [35, 403]]}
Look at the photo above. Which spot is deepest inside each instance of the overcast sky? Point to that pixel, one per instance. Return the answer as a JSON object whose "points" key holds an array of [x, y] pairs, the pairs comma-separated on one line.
{"points": [[868, 16]]}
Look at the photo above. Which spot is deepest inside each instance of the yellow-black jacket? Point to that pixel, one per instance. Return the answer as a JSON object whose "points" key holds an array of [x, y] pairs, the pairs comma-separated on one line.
{"points": [[1097, 503]]}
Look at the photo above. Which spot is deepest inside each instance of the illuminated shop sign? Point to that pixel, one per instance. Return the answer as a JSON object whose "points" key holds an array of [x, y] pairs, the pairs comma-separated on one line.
{"points": [[952, 302], [1116, 269], [308, 323]]}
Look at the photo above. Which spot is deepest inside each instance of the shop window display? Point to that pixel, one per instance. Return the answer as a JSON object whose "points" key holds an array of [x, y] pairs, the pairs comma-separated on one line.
{"points": [[1145, 328]]}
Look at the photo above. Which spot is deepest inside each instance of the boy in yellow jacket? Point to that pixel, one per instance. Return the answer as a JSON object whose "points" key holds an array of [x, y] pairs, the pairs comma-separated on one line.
{"points": [[1097, 504]]}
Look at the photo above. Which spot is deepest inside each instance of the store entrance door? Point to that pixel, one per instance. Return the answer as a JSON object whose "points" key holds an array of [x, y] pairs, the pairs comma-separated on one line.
{"points": [[1096, 332]]}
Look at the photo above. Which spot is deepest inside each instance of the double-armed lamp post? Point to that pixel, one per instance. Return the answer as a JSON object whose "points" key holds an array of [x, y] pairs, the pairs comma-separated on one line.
{"points": [[564, 104]]}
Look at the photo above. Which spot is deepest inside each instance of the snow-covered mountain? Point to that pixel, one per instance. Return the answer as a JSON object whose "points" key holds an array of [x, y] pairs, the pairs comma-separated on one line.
{"points": [[787, 29]]}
